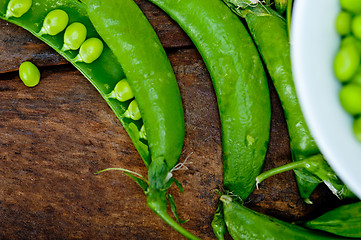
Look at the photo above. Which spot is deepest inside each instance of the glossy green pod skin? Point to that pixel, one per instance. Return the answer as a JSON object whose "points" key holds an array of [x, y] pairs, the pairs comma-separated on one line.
{"points": [[343, 221], [104, 73], [269, 31], [246, 224], [134, 42], [148, 73], [239, 81]]}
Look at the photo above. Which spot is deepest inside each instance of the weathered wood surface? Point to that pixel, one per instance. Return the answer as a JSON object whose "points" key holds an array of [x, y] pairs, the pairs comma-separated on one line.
{"points": [[56, 135]]}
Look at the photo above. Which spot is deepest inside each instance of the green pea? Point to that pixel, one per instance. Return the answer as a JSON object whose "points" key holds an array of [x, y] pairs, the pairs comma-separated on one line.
{"points": [[357, 78], [29, 74], [133, 111], [74, 36], [343, 23], [55, 22], [142, 133], [357, 128], [122, 91], [346, 62], [350, 97], [353, 6], [17, 8], [351, 39], [356, 26], [90, 50]]}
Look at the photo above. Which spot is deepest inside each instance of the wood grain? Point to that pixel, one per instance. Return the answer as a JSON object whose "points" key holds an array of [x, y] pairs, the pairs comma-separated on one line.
{"points": [[56, 135]]}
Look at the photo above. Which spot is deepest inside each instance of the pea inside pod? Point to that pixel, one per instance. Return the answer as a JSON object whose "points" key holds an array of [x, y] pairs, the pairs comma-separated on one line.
{"points": [[122, 91], [142, 133], [17, 8], [29, 74], [54, 22], [74, 36], [133, 111], [90, 50]]}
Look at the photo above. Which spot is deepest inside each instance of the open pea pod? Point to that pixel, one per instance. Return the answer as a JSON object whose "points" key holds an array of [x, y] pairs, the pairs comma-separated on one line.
{"points": [[104, 72]]}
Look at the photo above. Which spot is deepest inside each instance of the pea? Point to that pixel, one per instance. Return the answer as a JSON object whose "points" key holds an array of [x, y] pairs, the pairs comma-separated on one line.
{"points": [[346, 62], [122, 91], [343, 23], [29, 74], [351, 39], [55, 22], [357, 78], [353, 6], [350, 97], [17, 8], [142, 133], [356, 26], [133, 111], [90, 50], [357, 128], [75, 35]]}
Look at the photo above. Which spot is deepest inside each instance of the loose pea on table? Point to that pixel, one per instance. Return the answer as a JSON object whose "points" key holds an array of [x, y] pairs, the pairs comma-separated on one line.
{"points": [[56, 135]]}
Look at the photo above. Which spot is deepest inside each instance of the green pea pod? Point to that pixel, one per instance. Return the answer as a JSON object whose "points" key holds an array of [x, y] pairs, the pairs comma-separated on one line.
{"points": [[269, 30], [246, 224], [343, 221], [126, 30], [239, 82], [218, 223], [104, 73]]}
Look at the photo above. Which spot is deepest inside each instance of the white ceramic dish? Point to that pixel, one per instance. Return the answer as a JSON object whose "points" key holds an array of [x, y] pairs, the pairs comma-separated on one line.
{"points": [[314, 43]]}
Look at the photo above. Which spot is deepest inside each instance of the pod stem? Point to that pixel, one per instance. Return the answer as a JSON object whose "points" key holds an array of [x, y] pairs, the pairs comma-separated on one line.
{"points": [[157, 202], [281, 169]]}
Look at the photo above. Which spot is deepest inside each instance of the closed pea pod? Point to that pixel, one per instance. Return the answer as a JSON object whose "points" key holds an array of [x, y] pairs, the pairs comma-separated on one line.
{"points": [[54, 22], [125, 29], [74, 36], [90, 50], [343, 221], [17, 8], [239, 82], [246, 224], [29, 74]]}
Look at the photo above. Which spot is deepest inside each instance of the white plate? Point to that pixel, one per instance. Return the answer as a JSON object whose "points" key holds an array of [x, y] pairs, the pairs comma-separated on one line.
{"points": [[314, 43]]}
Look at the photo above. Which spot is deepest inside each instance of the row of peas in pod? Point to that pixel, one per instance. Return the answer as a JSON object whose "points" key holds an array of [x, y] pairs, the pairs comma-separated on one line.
{"points": [[75, 37], [347, 62]]}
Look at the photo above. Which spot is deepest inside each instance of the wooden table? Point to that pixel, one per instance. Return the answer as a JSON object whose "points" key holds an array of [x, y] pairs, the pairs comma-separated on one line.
{"points": [[56, 135]]}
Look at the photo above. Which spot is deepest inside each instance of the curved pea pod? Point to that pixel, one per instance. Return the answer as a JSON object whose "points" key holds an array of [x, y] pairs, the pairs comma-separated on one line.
{"points": [[104, 73], [343, 221], [218, 223], [246, 224], [151, 78], [269, 31], [239, 82]]}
